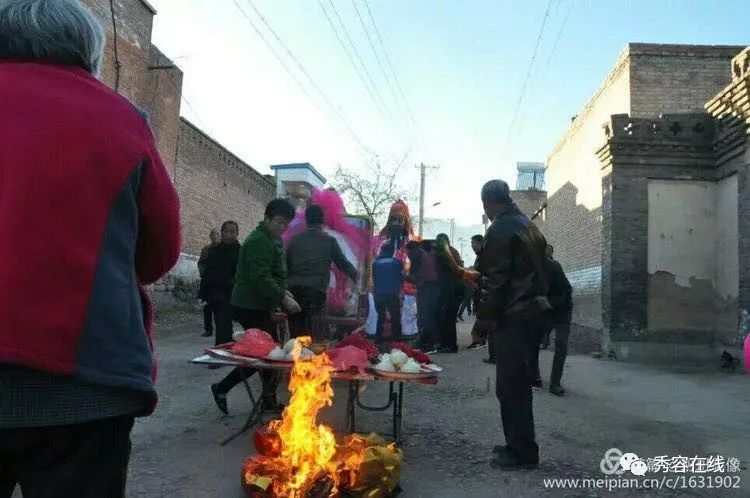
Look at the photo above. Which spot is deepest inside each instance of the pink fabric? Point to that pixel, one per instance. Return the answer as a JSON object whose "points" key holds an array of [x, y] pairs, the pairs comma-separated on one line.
{"points": [[348, 358], [747, 353]]}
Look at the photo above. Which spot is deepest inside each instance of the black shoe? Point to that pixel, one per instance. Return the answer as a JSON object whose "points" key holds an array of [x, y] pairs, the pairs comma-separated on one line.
{"points": [[220, 399], [501, 448], [557, 390], [537, 383], [214, 367], [431, 350], [473, 345], [207, 333], [509, 461], [491, 361]]}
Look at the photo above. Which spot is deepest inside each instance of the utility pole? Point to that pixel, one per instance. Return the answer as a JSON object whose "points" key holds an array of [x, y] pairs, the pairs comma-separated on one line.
{"points": [[453, 228], [422, 174]]}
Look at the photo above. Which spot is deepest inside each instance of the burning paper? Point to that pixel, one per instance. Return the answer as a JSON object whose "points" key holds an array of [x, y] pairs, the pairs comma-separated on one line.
{"points": [[300, 458]]}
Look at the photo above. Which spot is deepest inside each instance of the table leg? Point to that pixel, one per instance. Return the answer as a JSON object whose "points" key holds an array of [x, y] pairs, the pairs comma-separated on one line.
{"points": [[398, 407], [351, 405], [255, 414]]}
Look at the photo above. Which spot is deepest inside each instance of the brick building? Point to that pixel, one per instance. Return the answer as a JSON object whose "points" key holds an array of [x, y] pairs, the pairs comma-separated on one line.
{"points": [[214, 184], [529, 194], [644, 218], [140, 71]]}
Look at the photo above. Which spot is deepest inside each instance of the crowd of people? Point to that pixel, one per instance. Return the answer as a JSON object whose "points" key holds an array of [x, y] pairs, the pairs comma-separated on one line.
{"points": [[76, 359]]}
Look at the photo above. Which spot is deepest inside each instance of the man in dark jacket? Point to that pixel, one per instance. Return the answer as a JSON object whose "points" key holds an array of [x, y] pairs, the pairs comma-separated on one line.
{"points": [[451, 293], [78, 162], [309, 256], [210, 313], [220, 266], [259, 289], [423, 273], [514, 299], [560, 295]]}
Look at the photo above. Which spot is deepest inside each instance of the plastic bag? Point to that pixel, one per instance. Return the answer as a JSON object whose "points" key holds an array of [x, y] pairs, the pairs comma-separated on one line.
{"points": [[255, 343], [348, 358], [747, 353]]}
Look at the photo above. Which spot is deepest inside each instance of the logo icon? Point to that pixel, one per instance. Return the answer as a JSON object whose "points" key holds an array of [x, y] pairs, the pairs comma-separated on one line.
{"points": [[610, 464], [639, 468], [627, 460]]}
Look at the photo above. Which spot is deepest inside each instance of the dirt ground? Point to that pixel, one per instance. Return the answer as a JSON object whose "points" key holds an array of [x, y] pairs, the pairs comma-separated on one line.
{"points": [[450, 428]]}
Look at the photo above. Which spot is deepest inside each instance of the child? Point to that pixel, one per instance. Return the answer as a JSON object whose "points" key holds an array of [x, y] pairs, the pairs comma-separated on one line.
{"points": [[388, 278]]}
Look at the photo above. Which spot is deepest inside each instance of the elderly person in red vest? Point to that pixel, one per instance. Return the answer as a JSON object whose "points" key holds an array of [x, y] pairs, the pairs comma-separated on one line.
{"points": [[89, 215]]}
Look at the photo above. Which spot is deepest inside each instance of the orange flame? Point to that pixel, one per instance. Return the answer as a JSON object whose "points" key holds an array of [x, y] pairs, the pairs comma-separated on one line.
{"points": [[307, 447]]}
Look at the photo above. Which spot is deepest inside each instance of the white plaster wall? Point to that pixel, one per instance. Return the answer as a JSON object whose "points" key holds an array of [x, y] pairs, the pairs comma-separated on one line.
{"points": [[682, 229], [727, 242]]}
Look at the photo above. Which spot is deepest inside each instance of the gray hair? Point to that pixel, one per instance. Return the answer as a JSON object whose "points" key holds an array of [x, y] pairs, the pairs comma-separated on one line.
{"points": [[496, 192], [52, 31]]}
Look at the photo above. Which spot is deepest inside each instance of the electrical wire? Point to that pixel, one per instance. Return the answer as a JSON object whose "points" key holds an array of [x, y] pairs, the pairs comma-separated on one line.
{"points": [[389, 63], [351, 60], [526, 79], [377, 55], [294, 77], [359, 58]]}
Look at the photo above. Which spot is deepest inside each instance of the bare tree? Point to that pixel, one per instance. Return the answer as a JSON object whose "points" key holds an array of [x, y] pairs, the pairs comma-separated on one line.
{"points": [[370, 193]]}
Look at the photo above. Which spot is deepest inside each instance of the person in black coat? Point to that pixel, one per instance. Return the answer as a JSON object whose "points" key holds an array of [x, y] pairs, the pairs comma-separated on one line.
{"points": [[220, 266], [560, 296], [514, 300]]}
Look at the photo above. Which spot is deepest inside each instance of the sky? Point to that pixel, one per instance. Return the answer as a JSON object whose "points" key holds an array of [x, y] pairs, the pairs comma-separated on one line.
{"points": [[444, 88]]}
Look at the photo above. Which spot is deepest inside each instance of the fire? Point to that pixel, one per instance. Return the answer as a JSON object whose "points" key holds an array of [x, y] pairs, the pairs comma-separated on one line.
{"points": [[307, 447], [305, 460]]}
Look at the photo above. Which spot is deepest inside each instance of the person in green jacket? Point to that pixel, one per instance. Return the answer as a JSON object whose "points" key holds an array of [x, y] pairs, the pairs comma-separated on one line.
{"points": [[259, 290]]}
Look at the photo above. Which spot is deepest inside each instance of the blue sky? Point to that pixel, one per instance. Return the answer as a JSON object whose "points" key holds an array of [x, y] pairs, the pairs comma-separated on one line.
{"points": [[461, 65]]}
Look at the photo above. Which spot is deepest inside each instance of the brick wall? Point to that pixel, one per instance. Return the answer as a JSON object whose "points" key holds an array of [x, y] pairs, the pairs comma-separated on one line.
{"points": [[640, 152], [529, 201], [143, 78], [676, 78], [646, 80], [215, 186]]}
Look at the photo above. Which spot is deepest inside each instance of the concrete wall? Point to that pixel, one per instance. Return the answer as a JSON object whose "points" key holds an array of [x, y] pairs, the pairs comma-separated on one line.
{"points": [[676, 78], [693, 262], [682, 256], [728, 261], [215, 186]]}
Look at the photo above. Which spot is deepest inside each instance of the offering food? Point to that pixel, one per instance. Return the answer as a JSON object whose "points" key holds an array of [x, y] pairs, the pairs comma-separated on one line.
{"points": [[277, 354], [386, 366], [411, 367], [398, 358]]}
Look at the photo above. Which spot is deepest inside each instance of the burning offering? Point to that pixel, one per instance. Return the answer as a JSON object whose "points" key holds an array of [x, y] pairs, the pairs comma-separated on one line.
{"points": [[300, 458]]}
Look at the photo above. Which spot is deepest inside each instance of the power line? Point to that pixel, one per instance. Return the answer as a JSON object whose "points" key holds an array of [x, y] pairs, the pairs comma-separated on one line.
{"points": [[361, 61], [351, 59], [301, 68], [377, 56], [389, 63], [546, 66], [526, 79]]}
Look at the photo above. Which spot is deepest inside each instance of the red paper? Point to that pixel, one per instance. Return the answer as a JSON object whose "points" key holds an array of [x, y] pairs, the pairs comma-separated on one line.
{"points": [[255, 343], [358, 340], [348, 358]]}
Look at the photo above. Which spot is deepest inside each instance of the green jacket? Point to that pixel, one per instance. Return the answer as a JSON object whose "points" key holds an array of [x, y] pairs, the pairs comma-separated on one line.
{"points": [[261, 272]]}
